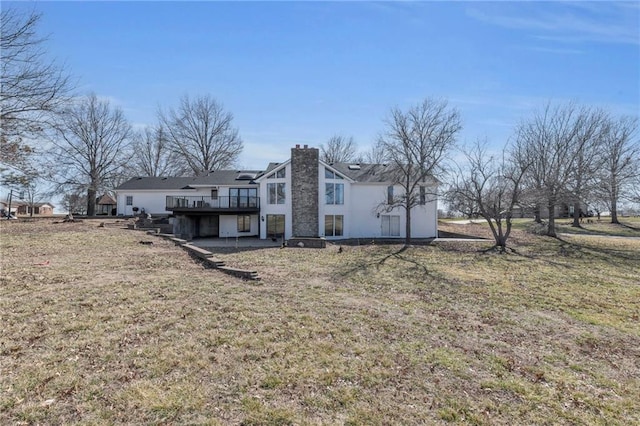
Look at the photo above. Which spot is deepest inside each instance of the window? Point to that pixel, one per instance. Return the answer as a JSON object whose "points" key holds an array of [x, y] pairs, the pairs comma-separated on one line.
{"points": [[243, 197], [275, 225], [423, 196], [244, 223], [275, 193], [328, 174], [333, 225], [214, 194], [129, 200], [280, 174], [390, 226], [390, 194], [334, 193]]}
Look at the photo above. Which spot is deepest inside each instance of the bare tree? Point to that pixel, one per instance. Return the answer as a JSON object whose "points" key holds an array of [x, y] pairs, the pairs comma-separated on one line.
{"points": [[33, 194], [460, 203], [375, 155], [587, 160], [621, 162], [339, 149], [152, 153], [551, 143], [91, 147], [75, 202], [202, 135], [416, 142], [493, 186], [32, 87]]}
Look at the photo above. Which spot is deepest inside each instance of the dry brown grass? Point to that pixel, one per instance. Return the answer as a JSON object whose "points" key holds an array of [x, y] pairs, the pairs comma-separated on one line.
{"points": [[117, 332]]}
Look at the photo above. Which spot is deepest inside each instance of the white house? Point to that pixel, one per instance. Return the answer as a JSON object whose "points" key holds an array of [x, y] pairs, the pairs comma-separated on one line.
{"points": [[301, 197]]}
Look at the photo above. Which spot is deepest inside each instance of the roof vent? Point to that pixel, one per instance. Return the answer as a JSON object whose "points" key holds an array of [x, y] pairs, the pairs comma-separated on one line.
{"points": [[354, 166]]}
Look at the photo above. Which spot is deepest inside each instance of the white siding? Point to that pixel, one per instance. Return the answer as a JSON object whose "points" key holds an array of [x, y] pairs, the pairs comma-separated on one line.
{"points": [[153, 201], [365, 208], [285, 209], [229, 226], [333, 209]]}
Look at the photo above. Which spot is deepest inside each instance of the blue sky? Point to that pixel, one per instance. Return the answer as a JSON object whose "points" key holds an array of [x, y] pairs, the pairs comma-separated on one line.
{"points": [[299, 72]]}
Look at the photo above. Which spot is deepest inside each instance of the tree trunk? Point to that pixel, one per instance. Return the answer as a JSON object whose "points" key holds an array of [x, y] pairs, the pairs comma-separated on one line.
{"points": [[536, 214], [577, 214], [407, 237], [501, 239], [614, 211], [91, 202], [501, 242], [551, 228]]}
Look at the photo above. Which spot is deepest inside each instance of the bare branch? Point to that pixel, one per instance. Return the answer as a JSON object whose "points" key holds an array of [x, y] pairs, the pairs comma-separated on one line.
{"points": [[339, 149], [32, 88], [416, 143], [201, 135], [92, 146], [152, 154]]}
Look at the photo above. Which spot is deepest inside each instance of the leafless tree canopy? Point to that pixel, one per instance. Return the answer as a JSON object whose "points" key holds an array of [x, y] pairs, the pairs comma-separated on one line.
{"points": [[202, 135], [620, 171], [75, 202], [152, 155], [92, 146], [32, 86], [557, 142], [416, 143], [33, 193], [339, 149], [375, 155], [492, 186], [587, 160]]}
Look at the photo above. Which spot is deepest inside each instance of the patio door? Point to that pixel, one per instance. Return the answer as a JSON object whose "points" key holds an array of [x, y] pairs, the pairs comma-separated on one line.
{"points": [[275, 225]]}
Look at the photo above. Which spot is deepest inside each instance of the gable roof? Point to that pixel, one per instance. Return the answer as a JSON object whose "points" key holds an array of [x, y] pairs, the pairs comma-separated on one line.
{"points": [[271, 168], [217, 177], [106, 199]]}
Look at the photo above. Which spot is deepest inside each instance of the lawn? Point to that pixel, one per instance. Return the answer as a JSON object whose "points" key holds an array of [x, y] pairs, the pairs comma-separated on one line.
{"points": [[98, 328]]}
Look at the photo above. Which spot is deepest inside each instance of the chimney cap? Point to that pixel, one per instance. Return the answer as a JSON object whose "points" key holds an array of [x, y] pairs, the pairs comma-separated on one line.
{"points": [[297, 145]]}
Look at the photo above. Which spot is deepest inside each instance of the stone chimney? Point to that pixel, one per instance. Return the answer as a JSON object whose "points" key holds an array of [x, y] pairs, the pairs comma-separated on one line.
{"points": [[304, 191]]}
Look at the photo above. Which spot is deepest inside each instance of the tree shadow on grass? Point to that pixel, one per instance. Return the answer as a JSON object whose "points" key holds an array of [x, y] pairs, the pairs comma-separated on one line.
{"points": [[633, 228], [617, 257], [364, 266]]}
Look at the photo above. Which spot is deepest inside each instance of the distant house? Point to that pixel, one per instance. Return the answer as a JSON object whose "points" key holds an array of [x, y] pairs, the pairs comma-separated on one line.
{"points": [[300, 197], [562, 210], [24, 208], [40, 209], [106, 205]]}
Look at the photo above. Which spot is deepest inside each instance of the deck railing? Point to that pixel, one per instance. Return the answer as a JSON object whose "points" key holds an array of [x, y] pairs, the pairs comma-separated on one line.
{"points": [[201, 202]]}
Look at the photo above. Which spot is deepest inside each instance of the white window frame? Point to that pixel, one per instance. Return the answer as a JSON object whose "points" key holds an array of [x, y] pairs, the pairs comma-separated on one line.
{"points": [[334, 219], [279, 195], [390, 225], [334, 199]]}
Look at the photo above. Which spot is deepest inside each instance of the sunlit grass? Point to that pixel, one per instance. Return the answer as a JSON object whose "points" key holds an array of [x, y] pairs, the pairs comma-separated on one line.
{"points": [[113, 331]]}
